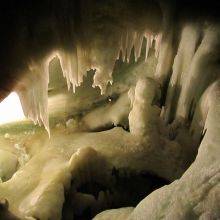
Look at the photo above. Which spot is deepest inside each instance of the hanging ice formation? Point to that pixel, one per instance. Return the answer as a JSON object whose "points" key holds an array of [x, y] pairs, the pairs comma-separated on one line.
{"points": [[33, 94], [33, 89]]}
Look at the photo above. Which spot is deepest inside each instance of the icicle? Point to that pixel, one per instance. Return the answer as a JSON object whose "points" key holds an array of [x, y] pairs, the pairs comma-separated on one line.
{"points": [[200, 71], [69, 65], [130, 44], [123, 45], [158, 39], [104, 64], [84, 63], [207, 99], [138, 45], [181, 66], [165, 58], [149, 38], [74, 66], [33, 94], [101, 79]]}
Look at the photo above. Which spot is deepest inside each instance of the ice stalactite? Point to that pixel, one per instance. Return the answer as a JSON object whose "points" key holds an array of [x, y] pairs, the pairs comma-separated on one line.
{"points": [[165, 47], [33, 94], [138, 45], [165, 58], [134, 39], [75, 63], [103, 76], [131, 39], [195, 64], [130, 44], [202, 71], [84, 63], [158, 39], [149, 43], [207, 99], [103, 62], [69, 67], [123, 45], [101, 81], [186, 50]]}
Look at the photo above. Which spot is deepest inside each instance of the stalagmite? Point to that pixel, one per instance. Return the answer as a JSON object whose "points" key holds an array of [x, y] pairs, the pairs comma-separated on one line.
{"points": [[143, 114]]}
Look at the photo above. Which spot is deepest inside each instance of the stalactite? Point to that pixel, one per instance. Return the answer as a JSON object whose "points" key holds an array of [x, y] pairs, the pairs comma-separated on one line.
{"points": [[165, 58], [208, 99], [69, 65], [138, 45], [201, 71], [33, 94], [148, 44], [186, 50], [75, 63], [158, 39]]}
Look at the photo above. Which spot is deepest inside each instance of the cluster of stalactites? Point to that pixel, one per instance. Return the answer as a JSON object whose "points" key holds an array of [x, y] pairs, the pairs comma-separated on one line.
{"points": [[134, 39], [33, 94], [34, 90], [76, 63], [194, 69]]}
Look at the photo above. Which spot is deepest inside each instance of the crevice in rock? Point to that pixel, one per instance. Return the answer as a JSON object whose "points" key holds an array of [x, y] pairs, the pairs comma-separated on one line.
{"points": [[202, 136], [124, 189], [109, 127], [191, 111], [164, 89], [4, 212]]}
